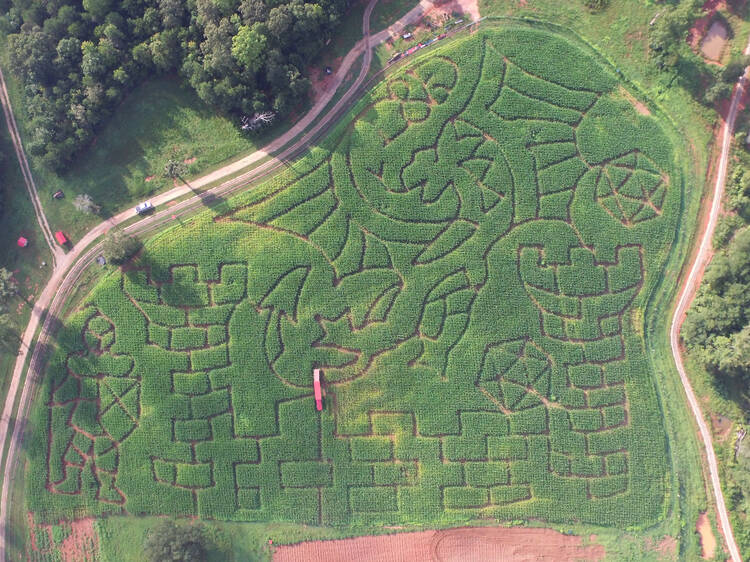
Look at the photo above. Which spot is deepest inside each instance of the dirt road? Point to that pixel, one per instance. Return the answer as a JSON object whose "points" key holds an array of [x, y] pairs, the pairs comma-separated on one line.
{"points": [[28, 179], [686, 298]]}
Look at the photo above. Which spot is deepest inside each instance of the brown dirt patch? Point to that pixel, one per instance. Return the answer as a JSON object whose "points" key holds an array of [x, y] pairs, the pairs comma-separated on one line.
{"points": [[722, 427], [666, 548], [639, 106], [320, 82], [708, 541], [467, 544], [81, 545], [190, 160], [715, 40], [439, 9], [149, 178]]}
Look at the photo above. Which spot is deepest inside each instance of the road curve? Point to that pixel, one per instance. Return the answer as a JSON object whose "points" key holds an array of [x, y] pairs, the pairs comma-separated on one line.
{"points": [[28, 179], [69, 267], [686, 298]]}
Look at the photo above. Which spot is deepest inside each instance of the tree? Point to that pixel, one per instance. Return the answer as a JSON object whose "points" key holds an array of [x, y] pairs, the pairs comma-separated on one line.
{"points": [[84, 203], [168, 542], [249, 45], [8, 287], [257, 121], [118, 247], [175, 169], [719, 90]]}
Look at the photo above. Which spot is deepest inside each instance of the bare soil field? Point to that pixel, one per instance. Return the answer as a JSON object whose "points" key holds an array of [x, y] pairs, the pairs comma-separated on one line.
{"points": [[467, 544], [715, 40], [708, 541]]}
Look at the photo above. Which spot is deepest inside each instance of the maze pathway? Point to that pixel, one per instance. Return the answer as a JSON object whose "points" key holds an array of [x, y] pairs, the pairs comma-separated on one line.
{"points": [[467, 265]]}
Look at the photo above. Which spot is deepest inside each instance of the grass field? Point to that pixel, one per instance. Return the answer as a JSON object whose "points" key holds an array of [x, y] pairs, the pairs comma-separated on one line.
{"points": [[468, 263], [160, 120]]}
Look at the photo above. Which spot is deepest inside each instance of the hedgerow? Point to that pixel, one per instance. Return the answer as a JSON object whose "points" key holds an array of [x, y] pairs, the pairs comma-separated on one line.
{"points": [[464, 263]]}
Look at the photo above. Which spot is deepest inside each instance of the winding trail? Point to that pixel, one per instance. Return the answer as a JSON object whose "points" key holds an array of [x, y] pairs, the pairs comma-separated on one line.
{"points": [[69, 267], [701, 260]]}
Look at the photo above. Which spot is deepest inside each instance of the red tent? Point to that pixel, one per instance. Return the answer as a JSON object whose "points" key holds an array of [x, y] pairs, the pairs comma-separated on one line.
{"points": [[318, 393], [22, 242], [61, 238]]}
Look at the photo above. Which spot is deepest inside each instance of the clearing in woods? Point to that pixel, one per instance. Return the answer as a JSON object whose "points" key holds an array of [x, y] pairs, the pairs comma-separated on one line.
{"points": [[467, 261]]}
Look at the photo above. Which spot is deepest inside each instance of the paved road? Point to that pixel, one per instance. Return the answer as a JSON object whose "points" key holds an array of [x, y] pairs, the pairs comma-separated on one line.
{"points": [[683, 304], [69, 267], [28, 179]]}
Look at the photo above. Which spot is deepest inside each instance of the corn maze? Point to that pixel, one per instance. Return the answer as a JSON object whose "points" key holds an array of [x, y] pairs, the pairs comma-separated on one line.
{"points": [[467, 262]]}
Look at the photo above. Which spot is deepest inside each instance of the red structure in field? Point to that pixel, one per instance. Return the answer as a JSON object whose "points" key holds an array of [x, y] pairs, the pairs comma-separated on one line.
{"points": [[61, 238], [318, 393]]}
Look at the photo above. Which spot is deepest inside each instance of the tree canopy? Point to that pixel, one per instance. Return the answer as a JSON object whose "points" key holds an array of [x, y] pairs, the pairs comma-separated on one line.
{"points": [[78, 60], [718, 324], [118, 247], [169, 542]]}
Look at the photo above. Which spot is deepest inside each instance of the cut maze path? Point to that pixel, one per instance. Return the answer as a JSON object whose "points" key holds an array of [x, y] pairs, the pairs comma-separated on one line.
{"points": [[470, 174], [69, 266], [560, 387]]}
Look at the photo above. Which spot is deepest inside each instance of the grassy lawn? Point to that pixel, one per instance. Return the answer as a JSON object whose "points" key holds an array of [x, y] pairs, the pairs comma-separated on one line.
{"points": [[25, 263], [161, 119], [386, 12]]}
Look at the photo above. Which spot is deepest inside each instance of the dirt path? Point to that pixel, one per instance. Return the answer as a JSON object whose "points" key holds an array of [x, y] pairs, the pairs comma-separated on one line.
{"points": [[691, 285], [467, 544], [69, 267], [28, 179]]}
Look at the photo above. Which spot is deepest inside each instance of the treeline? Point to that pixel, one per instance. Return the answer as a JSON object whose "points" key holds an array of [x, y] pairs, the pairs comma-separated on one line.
{"points": [[78, 60], [717, 326]]}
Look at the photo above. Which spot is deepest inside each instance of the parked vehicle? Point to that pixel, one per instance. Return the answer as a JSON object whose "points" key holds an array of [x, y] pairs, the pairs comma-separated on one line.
{"points": [[143, 208]]}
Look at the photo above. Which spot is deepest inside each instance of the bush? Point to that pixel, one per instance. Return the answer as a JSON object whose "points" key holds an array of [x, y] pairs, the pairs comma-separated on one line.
{"points": [[118, 247], [169, 542]]}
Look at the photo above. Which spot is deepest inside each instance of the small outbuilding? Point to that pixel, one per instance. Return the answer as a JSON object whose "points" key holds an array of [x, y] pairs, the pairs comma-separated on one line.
{"points": [[22, 242], [61, 238]]}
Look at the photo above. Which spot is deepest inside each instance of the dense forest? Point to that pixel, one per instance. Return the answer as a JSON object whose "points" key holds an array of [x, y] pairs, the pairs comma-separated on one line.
{"points": [[78, 60], [718, 324]]}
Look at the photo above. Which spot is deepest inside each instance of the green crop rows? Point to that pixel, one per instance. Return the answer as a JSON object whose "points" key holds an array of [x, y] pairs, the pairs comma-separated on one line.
{"points": [[468, 264]]}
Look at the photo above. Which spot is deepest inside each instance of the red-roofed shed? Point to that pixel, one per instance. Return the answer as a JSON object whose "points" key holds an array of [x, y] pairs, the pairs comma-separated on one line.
{"points": [[22, 242], [61, 238]]}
